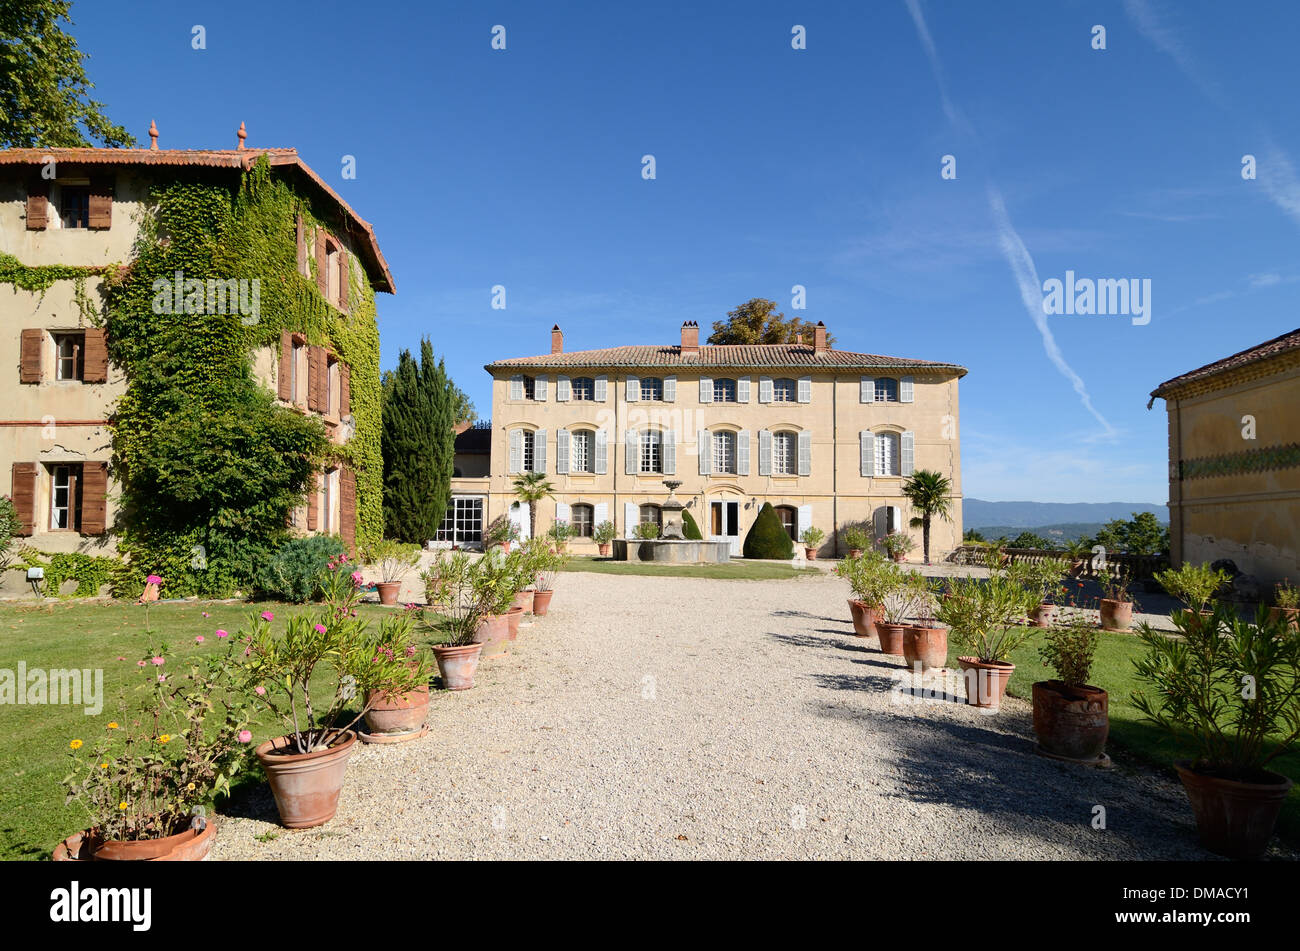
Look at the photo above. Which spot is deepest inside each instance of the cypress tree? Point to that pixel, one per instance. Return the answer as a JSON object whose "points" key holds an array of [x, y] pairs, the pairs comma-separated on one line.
{"points": [[419, 445]]}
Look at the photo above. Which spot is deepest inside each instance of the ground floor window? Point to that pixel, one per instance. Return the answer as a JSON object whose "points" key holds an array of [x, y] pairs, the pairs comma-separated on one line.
{"points": [[463, 523], [789, 520], [580, 520], [652, 513], [65, 498]]}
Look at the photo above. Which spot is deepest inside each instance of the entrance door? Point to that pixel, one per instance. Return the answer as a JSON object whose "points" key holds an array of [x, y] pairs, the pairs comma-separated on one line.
{"points": [[724, 522]]}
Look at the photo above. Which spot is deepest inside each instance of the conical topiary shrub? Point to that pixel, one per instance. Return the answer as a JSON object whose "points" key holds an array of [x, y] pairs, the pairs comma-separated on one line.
{"points": [[689, 528], [767, 537]]}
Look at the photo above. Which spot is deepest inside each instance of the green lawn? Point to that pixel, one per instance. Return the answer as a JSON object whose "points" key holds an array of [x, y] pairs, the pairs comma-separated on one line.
{"points": [[1113, 671], [731, 571], [34, 755]]}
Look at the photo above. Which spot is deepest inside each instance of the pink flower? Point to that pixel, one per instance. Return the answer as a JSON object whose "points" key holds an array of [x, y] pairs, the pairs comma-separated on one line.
{"points": [[206, 614], [158, 661], [410, 651], [357, 577], [153, 579], [199, 639], [162, 677], [260, 691], [222, 634], [121, 658], [139, 663], [245, 736], [320, 628], [267, 616]]}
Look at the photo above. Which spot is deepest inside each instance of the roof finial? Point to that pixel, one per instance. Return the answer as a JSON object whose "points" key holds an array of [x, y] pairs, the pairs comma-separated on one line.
{"points": [[243, 134], [153, 136]]}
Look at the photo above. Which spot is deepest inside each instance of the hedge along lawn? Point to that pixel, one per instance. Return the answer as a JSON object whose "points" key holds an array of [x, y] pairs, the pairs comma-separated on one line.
{"points": [[34, 756], [1113, 671], [730, 571]]}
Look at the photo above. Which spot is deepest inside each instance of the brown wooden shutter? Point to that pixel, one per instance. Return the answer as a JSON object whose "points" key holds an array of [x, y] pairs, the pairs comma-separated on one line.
{"points": [[33, 340], [285, 375], [348, 508], [345, 390], [322, 265], [38, 205], [24, 495], [316, 370], [94, 367], [313, 501], [302, 247], [94, 498], [101, 203], [345, 282]]}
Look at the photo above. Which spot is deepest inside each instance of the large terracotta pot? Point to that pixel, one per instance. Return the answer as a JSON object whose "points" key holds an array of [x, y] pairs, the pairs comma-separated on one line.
{"points": [[493, 630], [1290, 615], [1234, 818], [542, 602], [187, 846], [927, 646], [603, 549], [388, 591], [1042, 615], [900, 556], [864, 618], [524, 600], [891, 637], [1071, 722], [810, 553], [457, 665], [855, 552], [402, 713], [306, 786], [985, 682], [1116, 615], [513, 617]]}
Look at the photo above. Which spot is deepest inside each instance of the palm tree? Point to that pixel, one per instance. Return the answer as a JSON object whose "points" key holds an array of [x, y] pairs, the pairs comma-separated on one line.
{"points": [[532, 487], [929, 493]]}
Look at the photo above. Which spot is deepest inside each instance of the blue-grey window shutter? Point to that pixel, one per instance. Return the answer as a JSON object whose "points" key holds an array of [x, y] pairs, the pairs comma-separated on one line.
{"points": [[669, 449], [539, 389], [765, 389], [670, 389], [632, 450], [631, 515], [634, 389], [805, 453], [742, 390], [867, 390], [805, 389], [516, 451], [539, 451], [602, 386], [905, 389], [706, 389], [742, 453], [602, 452], [517, 387], [764, 449], [562, 451], [705, 452], [908, 444], [562, 389], [867, 452], [600, 513]]}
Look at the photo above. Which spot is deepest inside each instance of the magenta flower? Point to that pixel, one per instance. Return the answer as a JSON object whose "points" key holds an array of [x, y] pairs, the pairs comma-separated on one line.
{"points": [[410, 651], [206, 614], [199, 639], [267, 616], [153, 579], [139, 663], [260, 691], [158, 661], [245, 736], [357, 577], [162, 677], [221, 633], [320, 628]]}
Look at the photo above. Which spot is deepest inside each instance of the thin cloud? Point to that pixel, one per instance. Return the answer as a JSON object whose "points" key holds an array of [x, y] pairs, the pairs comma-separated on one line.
{"points": [[1278, 176], [932, 53], [1166, 39]]}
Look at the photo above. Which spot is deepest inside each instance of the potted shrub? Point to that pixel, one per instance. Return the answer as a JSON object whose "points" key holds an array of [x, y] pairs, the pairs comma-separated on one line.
{"points": [[1116, 602], [1194, 585], [1042, 579], [603, 534], [500, 533], [857, 540], [393, 717], [306, 766], [1071, 717], [979, 614], [812, 538], [559, 534], [148, 782], [1228, 692], [647, 531], [548, 563], [1077, 553], [460, 609], [869, 577], [897, 545], [925, 642], [494, 585], [897, 605], [1286, 600], [394, 561]]}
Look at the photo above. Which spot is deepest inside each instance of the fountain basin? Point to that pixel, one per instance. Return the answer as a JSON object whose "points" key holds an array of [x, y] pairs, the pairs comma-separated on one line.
{"points": [[672, 551]]}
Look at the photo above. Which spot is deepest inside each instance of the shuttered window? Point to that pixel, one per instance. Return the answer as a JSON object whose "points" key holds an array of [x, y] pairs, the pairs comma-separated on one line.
{"points": [[23, 493], [69, 349], [33, 342], [651, 449], [785, 449], [651, 389], [724, 453], [724, 391], [784, 391], [38, 205], [65, 497], [74, 206], [582, 389], [886, 390], [886, 454], [581, 455]]}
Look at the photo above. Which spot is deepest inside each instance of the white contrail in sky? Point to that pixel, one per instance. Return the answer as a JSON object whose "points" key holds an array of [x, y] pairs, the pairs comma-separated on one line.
{"points": [[1167, 40]]}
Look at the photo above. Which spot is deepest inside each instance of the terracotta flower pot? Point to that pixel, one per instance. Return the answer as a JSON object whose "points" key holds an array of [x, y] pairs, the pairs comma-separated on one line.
{"points": [[493, 630], [457, 665], [403, 713], [1116, 615], [1290, 615], [1042, 615], [855, 552], [603, 549], [891, 637], [1234, 818], [925, 645], [864, 618], [899, 557], [187, 846], [1071, 722], [524, 600], [542, 602], [810, 553], [388, 591], [513, 617], [985, 682], [306, 786]]}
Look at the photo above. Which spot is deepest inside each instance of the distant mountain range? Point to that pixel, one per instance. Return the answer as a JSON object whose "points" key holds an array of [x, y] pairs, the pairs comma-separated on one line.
{"points": [[1009, 516]]}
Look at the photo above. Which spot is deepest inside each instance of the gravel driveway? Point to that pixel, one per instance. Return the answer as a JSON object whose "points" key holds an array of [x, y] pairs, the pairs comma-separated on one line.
{"points": [[678, 718]]}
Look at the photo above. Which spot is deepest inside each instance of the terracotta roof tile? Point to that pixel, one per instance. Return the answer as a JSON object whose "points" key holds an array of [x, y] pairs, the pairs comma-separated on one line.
{"points": [[1269, 348], [380, 276], [742, 356]]}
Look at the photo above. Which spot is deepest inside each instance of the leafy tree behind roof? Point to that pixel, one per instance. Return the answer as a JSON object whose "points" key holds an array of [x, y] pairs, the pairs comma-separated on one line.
{"points": [[758, 321]]}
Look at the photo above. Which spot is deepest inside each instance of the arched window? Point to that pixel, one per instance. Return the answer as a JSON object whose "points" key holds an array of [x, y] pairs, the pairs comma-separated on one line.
{"points": [[887, 455], [785, 453], [580, 519], [582, 389], [886, 390], [724, 453], [652, 513], [582, 456], [789, 520], [724, 391], [652, 389], [784, 390]]}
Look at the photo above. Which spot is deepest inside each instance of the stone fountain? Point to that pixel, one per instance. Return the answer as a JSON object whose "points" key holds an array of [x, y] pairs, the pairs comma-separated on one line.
{"points": [[672, 547]]}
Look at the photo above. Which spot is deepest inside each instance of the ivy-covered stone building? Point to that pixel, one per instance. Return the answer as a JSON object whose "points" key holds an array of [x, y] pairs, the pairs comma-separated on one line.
{"points": [[136, 284]]}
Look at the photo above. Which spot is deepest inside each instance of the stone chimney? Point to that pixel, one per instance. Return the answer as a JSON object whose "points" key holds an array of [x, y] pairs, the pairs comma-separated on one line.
{"points": [[690, 338], [819, 339], [557, 339]]}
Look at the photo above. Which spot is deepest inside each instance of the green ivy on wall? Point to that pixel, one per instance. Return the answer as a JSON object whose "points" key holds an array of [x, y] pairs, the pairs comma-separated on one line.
{"points": [[91, 572], [1242, 463]]}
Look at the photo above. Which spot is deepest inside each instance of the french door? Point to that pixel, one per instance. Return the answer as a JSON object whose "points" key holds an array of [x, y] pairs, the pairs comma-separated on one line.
{"points": [[724, 522]]}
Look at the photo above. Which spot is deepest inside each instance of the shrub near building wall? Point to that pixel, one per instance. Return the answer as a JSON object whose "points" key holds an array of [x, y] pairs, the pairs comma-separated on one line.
{"points": [[767, 537]]}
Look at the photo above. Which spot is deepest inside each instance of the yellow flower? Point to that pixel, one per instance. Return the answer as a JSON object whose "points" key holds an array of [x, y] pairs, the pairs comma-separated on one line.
{"points": [[165, 738], [190, 787], [103, 766], [121, 805], [75, 744], [113, 725]]}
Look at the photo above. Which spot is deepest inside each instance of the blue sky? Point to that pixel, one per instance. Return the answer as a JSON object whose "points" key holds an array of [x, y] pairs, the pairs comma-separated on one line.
{"points": [[778, 167]]}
